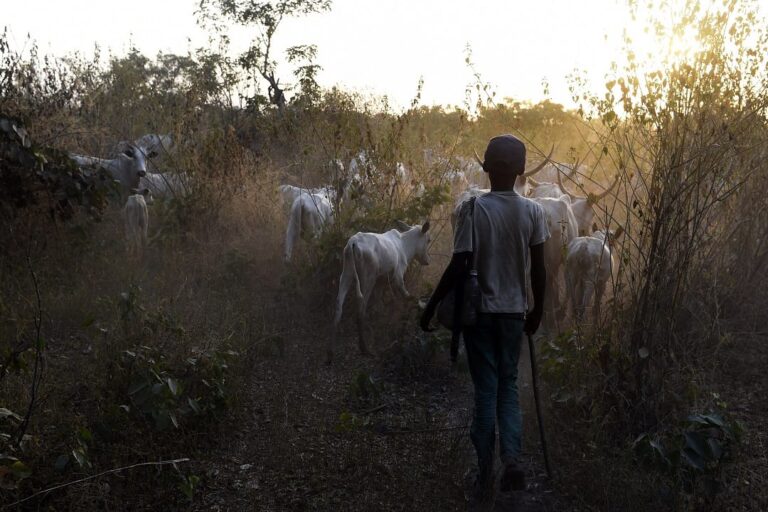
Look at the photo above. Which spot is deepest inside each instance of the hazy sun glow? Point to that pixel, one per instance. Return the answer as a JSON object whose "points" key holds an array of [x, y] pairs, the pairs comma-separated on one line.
{"points": [[381, 47]]}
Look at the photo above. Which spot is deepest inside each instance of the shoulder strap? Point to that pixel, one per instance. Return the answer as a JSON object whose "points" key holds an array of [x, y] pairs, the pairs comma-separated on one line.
{"points": [[473, 265]]}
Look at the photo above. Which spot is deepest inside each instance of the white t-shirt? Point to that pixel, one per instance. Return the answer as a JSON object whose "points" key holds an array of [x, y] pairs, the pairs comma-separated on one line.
{"points": [[506, 226]]}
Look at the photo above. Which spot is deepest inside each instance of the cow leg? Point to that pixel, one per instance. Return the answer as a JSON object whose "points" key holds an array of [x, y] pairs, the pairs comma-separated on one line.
{"points": [[578, 301], [362, 305], [144, 238], [570, 291], [550, 300], [599, 289], [345, 281], [400, 283], [587, 292]]}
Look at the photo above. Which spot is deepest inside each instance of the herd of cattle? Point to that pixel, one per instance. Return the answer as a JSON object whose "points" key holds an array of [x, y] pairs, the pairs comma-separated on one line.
{"points": [[577, 248], [131, 170]]}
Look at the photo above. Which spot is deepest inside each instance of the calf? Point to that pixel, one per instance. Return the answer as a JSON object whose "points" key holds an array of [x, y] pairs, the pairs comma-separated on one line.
{"points": [[127, 168], [588, 268], [309, 215], [137, 221], [371, 256]]}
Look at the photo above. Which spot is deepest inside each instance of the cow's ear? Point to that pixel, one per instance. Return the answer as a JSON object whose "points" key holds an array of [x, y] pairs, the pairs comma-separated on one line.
{"points": [[619, 232], [594, 227], [152, 153], [144, 192], [128, 152], [425, 227], [402, 226]]}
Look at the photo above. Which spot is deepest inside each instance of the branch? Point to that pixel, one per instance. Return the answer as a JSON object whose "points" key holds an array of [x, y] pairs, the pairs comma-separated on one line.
{"points": [[81, 480], [37, 372]]}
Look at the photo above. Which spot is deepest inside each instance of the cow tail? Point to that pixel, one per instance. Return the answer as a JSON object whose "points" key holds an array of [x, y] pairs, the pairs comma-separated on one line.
{"points": [[294, 228], [358, 291]]}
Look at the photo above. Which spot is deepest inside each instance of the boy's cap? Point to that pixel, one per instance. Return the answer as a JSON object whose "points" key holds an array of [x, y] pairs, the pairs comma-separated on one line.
{"points": [[506, 151]]}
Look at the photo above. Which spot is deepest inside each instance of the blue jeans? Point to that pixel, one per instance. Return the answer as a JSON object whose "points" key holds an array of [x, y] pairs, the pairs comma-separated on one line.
{"points": [[493, 351]]}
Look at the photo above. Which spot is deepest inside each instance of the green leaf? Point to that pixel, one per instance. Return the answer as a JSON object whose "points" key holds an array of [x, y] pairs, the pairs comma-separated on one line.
{"points": [[173, 385], [7, 460], [707, 419], [194, 405], [696, 442], [662, 453], [715, 448], [714, 419], [136, 387], [693, 459], [85, 434], [20, 470], [61, 462], [7, 413], [80, 457]]}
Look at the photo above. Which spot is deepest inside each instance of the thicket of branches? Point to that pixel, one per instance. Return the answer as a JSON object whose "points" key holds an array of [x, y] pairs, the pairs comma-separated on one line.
{"points": [[687, 138]]}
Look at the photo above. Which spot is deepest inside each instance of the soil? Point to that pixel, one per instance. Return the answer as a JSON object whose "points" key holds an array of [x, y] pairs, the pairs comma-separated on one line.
{"points": [[383, 433]]}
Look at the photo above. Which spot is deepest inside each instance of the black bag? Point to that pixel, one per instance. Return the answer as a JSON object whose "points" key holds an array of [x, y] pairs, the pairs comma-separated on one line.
{"points": [[463, 311], [469, 300]]}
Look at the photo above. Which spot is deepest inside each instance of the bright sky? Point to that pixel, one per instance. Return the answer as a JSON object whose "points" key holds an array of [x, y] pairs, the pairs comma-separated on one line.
{"points": [[377, 46]]}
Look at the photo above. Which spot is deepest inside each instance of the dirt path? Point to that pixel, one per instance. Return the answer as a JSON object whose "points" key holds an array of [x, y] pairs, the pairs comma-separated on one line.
{"points": [[385, 433]]}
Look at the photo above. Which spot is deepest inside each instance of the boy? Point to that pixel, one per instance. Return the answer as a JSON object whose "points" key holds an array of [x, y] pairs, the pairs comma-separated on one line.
{"points": [[509, 232]]}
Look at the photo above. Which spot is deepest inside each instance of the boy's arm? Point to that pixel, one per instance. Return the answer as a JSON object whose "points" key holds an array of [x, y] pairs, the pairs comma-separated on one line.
{"points": [[456, 269], [538, 284]]}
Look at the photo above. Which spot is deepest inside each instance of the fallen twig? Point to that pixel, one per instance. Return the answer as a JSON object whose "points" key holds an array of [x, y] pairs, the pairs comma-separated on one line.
{"points": [[81, 480], [422, 431], [376, 409]]}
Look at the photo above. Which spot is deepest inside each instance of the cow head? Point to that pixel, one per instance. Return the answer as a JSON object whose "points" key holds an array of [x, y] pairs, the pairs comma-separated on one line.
{"points": [[134, 160], [582, 206], [422, 244]]}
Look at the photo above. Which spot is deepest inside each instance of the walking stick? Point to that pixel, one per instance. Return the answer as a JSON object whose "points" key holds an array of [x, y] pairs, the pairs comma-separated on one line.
{"points": [[534, 378]]}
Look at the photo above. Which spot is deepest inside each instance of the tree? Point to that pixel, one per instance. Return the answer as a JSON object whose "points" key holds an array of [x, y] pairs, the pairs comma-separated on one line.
{"points": [[266, 17]]}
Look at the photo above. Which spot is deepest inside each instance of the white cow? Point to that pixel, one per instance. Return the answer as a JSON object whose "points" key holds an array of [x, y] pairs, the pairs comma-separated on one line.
{"points": [[548, 184], [562, 228], [472, 191], [309, 215], [403, 182], [289, 194], [458, 172], [369, 257], [582, 206], [126, 168], [358, 174], [588, 269], [166, 185], [136, 219], [153, 144]]}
